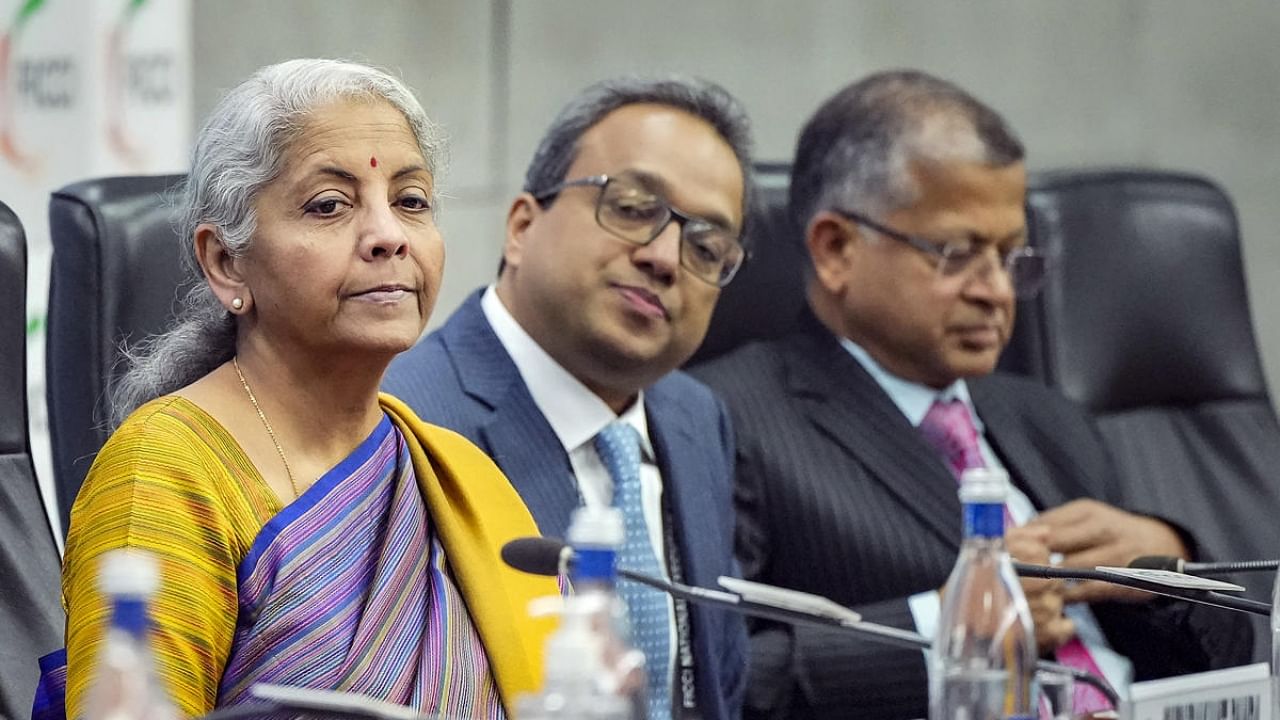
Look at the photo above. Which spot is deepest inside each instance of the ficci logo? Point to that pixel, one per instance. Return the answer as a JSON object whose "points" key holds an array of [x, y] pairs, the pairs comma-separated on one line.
{"points": [[133, 83], [132, 79], [10, 90]]}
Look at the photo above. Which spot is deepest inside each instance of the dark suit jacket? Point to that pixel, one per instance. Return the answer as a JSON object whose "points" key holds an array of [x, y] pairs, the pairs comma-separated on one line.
{"points": [[839, 495], [461, 377]]}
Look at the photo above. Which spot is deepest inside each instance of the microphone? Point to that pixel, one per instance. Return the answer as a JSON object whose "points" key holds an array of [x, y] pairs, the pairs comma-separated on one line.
{"points": [[1181, 587], [549, 556], [1178, 565], [538, 555]]}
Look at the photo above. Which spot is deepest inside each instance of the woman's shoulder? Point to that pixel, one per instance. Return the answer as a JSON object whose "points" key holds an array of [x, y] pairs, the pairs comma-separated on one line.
{"points": [[165, 414], [440, 441], [170, 458], [169, 441], [170, 427]]}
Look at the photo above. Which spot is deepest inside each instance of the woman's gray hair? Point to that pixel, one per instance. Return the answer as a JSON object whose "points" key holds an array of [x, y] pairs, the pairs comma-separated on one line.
{"points": [[239, 151], [701, 98]]}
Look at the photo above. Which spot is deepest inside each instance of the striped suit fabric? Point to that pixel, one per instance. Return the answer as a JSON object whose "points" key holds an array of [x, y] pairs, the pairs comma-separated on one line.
{"points": [[837, 494]]}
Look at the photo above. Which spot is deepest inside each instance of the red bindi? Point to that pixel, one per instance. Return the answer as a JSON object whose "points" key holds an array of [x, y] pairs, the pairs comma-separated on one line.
{"points": [[373, 162]]}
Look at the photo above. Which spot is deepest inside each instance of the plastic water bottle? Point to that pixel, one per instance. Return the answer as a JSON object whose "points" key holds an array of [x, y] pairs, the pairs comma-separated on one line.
{"points": [[126, 686], [596, 534], [575, 684], [592, 672], [984, 655]]}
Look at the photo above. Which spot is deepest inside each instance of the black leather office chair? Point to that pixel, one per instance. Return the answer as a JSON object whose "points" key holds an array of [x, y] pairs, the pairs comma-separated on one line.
{"points": [[766, 297], [1145, 321], [116, 274], [31, 618]]}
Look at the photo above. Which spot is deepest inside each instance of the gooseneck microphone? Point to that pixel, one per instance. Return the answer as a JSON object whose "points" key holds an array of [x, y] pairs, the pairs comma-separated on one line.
{"points": [[1176, 564], [538, 555], [1150, 584], [549, 556]]}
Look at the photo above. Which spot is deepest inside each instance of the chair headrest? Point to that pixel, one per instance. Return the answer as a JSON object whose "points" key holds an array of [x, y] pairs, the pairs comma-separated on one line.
{"points": [[1147, 304], [116, 235], [117, 275], [765, 298], [13, 333]]}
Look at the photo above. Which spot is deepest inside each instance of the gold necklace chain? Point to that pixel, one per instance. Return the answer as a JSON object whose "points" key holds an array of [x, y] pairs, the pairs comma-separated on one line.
{"points": [[261, 416]]}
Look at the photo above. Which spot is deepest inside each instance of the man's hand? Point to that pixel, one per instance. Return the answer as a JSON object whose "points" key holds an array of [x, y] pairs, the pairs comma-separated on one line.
{"points": [[1029, 544], [1089, 533]]}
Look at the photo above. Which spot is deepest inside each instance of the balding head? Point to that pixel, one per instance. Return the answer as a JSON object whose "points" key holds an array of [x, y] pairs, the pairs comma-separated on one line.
{"points": [[857, 150]]}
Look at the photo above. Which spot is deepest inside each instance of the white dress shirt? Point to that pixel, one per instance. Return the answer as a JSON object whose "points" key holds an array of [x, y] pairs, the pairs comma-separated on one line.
{"points": [[914, 400], [577, 415]]}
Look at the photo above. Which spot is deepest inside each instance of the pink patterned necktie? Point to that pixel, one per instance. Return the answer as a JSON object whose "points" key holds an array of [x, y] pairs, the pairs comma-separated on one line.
{"points": [[949, 428], [1084, 698]]}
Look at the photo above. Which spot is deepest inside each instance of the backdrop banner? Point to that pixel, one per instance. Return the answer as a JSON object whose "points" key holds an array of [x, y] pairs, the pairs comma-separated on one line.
{"points": [[88, 88]]}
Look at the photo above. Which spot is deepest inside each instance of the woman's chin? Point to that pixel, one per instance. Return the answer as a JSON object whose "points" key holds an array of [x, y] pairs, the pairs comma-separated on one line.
{"points": [[384, 344]]}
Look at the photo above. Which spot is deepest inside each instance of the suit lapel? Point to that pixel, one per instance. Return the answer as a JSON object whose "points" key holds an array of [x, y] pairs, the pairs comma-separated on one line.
{"points": [[681, 459], [516, 434], [1007, 433], [845, 403]]}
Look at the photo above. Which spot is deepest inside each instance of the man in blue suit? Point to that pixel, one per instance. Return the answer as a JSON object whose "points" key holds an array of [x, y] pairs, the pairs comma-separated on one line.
{"points": [[629, 224]]}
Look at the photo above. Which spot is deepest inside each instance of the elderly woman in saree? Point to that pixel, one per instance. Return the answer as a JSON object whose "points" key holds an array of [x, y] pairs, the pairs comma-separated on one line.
{"points": [[310, 532]]}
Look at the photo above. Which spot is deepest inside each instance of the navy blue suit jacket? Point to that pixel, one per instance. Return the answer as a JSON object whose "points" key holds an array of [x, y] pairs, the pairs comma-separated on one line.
{"points": [[461, 377]]}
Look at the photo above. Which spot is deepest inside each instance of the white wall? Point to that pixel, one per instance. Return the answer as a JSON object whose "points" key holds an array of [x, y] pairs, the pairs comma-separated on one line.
{"points": [[1178, 84]]}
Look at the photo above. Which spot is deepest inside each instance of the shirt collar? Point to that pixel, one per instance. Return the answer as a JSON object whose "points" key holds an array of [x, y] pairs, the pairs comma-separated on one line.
{"points": [[575, 414], [912, 398]]}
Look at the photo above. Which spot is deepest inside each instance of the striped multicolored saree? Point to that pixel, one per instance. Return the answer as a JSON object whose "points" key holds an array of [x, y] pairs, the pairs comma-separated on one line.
{"points": [[348, 588]]}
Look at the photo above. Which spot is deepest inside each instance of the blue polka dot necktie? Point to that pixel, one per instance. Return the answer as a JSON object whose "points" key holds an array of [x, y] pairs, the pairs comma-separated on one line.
{"points": [[619, 448]]}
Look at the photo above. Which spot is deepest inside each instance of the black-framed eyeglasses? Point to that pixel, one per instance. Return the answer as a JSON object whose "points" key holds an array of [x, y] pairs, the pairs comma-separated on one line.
{"points": [[1025, 267], [630, 211]]}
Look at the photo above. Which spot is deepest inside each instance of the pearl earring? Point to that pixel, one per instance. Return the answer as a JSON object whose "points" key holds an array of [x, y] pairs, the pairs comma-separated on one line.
{"points": [[237, 304]]}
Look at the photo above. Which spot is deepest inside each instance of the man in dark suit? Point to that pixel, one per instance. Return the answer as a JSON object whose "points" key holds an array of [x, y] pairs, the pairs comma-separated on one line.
{"points": [[851, 433], [629, 224]]}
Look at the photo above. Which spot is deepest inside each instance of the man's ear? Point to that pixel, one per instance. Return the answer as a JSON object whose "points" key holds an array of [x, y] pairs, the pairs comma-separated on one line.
{"points": [[524, 209], [831, 241], [221, 270]]}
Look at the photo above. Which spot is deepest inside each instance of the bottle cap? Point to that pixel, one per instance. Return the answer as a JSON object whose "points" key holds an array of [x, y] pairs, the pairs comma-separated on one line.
{"points": [[984, 485], [597, 527], [128, 572]]}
